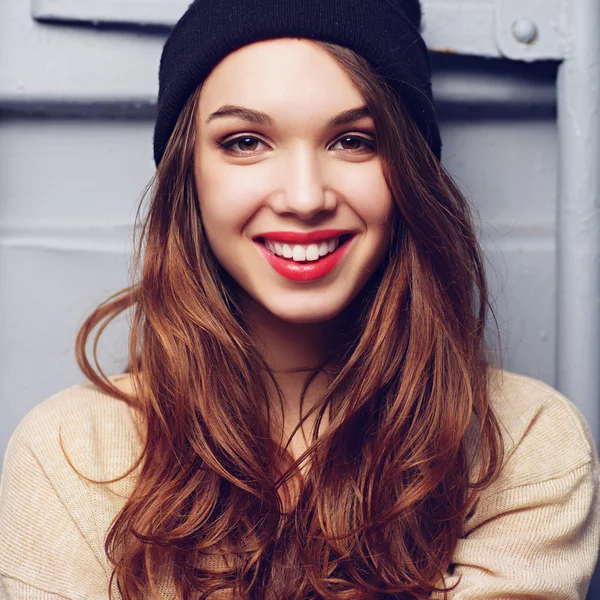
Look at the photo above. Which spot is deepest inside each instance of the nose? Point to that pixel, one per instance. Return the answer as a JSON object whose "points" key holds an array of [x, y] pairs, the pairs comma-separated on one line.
{"points": [[303, 192]]}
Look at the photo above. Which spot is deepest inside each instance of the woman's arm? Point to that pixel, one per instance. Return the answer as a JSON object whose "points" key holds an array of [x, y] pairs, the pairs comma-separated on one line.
{"points": [[11, 588], [538, 540], [45, 551]]}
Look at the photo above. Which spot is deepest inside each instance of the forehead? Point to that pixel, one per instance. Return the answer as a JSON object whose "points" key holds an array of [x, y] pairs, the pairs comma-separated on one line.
{"points": [[280, 74]]}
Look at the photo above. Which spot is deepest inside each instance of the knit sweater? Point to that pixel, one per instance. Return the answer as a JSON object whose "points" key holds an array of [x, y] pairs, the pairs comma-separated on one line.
{"points": [[535, 533]]}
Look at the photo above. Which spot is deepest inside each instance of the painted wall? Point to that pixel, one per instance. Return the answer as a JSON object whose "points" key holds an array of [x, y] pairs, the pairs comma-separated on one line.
{"points": [[76, 105]]}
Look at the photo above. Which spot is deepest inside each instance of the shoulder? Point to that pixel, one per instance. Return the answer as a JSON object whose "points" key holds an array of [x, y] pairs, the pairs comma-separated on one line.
{"points": [[74, 436], [96, 428], [545, 435]]}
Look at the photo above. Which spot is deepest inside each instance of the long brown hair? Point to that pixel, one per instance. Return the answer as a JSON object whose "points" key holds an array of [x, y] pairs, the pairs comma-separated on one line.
{"points": [[392, 476]]}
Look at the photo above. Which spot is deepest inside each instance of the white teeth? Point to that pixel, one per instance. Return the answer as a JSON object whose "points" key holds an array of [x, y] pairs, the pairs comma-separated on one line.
{"points": [[312, 252], [301, 253]]}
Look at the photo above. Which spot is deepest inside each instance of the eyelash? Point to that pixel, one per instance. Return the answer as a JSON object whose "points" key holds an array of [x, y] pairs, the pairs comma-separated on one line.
{"points": [[227, 146]]}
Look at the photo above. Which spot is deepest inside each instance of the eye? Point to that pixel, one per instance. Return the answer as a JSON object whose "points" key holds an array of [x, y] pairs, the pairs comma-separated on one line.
{"points": [[243, 141], [247, 144], [356, 139]]}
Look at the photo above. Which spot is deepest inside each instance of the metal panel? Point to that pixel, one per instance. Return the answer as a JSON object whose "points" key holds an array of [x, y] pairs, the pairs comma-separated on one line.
{"points": [[86, 67], [460, 27], [46, 64], [532, 30], [141, 12]]}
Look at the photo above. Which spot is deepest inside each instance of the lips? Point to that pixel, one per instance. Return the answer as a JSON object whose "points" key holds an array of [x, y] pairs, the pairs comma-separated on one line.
{"points": [[305, 271]]}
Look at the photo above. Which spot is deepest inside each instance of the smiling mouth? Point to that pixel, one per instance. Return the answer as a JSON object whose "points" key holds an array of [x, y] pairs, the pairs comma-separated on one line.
{"points": [[303, 253]]}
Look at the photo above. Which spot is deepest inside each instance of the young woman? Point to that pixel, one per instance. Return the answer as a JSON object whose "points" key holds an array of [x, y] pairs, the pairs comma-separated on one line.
{"points": [[310, 410]]}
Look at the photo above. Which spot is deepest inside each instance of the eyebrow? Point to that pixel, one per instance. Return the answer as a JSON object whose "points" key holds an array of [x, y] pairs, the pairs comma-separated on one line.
{"points": [[261, 118]]}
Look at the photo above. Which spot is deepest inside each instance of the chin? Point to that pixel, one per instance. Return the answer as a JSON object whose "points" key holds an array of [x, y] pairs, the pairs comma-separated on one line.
{"points": [[304, 317], [301, 313]]}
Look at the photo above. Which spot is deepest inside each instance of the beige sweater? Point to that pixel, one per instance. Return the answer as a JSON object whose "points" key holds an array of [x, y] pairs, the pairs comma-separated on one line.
{"points": [[534, 534]]}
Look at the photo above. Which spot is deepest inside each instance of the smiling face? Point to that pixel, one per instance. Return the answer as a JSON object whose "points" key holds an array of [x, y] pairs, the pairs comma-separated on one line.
{"points": [[265, 180]]}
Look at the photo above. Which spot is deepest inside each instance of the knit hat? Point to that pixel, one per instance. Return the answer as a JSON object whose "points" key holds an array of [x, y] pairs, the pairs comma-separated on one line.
{"points": [[385, 32]]}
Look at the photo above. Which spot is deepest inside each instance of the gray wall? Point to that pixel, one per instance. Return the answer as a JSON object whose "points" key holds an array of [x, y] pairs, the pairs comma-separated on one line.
{"points": [[76, 106]]}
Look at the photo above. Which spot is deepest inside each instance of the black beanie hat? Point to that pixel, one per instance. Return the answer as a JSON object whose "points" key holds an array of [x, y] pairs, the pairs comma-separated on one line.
{"points": [[385, 32]]}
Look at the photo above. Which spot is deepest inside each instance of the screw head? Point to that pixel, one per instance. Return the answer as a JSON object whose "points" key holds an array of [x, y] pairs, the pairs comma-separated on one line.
{"points": [[525, 31]]}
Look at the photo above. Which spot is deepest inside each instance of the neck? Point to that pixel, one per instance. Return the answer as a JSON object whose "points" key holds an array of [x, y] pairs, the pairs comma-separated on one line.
{"points": [[292, 351], [287, 346]]}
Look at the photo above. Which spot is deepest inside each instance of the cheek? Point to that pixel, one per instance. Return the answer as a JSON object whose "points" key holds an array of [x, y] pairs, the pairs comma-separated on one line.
{"points": [[371, 200], [228, 198]]}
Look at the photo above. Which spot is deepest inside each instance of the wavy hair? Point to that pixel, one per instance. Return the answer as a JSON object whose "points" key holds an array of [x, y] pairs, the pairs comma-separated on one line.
{"points": [[392, 476]]}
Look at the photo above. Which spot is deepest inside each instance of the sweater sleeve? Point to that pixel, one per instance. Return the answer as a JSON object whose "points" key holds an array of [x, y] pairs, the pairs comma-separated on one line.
{"points": [[43, 551], [11, 588], [535, 532], [533, 541]]}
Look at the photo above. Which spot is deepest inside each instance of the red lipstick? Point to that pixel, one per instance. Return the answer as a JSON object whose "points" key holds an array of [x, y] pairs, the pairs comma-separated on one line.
{"points": [[307, 270]]}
